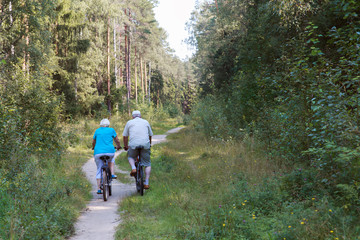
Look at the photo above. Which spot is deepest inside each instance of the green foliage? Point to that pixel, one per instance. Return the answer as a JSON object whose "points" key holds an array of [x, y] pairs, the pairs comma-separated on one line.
{"points": [[200, 191], [209, 118], [286, 73]]}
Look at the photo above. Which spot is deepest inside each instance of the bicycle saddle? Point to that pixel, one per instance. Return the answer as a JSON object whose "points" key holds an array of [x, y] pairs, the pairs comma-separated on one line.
{"points": [[105, 157]]}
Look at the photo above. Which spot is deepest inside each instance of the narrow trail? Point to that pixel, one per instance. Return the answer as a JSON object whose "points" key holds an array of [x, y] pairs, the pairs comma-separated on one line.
{"points": [[99, 219]]}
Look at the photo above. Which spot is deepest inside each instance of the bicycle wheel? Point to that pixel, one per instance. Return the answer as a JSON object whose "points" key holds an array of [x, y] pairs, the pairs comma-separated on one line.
{"points": [[109, 183], [137, 177], [105, 185], [141, 180]]}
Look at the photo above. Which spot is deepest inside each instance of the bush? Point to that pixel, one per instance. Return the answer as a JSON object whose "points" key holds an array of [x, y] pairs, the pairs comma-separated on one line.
{"points": [[208, 117]]}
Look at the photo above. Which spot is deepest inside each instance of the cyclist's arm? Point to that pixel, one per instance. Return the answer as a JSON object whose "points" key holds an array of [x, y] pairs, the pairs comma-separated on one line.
{"points": [[125, 139], [117, 141], [93, 143]]}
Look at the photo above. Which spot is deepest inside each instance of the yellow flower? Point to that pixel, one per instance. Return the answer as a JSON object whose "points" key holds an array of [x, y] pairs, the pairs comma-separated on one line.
{"points": [[289, 227], [224, 225], [292, 213], [230, 212], [302, 223], [313, 199], [245, 201], [170, 204], [243, 204], [330, 210], [331, 231]]}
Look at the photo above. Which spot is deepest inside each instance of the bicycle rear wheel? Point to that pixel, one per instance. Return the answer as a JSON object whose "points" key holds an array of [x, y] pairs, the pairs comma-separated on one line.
{"points": [[137, 177], [109, 183], [141, 173], [105, 185]]}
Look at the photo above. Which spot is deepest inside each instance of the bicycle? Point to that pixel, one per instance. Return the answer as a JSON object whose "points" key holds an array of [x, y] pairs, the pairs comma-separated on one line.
{"points": [[106, 177], [139, 178]]}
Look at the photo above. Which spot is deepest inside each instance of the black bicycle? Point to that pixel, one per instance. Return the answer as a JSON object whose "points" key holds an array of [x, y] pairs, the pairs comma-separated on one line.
{"points": [[139, 178], [106, 177]]}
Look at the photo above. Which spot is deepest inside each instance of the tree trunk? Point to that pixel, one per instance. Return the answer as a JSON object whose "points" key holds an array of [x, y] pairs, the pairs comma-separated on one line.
{"points": [[76, 89], [145, 81], [149, 80], [142, 79], [136, 80], [158, 98], [115, 59], [108, 64], [126, 63], [26, 51], [129, 63], [121, 76], [11, 22]]}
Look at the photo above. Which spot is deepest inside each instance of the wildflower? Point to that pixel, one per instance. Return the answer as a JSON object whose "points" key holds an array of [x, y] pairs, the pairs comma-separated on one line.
{"points": [[243, 204], [220, 206], [224, 225], [292, 213], [289, 227], [244, 221], [170, 204], [331, 231], [330, 210], [245, 201], [230, 212], [313, 199], [302, 223]]}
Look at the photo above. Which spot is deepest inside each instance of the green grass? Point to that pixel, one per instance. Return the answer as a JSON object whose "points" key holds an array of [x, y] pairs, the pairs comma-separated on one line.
{"points": [[160, 127], [206, 189], [44, 200]]}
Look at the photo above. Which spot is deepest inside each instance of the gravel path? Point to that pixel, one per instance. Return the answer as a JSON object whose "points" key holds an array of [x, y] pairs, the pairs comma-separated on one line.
{"points": [[100, 219]]}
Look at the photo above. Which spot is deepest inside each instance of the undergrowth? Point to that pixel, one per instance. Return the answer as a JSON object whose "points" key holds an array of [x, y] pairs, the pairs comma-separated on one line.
{"points": [[210, 189]]}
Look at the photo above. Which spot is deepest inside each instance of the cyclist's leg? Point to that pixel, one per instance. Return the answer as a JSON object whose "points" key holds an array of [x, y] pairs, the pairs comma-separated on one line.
{"points": [[99, 164], [111, 164], [145, 160], [132, 155], [147, 175]]}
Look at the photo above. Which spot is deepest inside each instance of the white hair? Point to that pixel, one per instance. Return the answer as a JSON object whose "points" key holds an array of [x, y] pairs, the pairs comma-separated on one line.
{"points": [[105, 123], [136, 113]]}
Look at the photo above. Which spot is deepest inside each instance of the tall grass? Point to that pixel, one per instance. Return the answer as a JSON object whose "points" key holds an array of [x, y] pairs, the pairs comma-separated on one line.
{"points": [[208, 189]]}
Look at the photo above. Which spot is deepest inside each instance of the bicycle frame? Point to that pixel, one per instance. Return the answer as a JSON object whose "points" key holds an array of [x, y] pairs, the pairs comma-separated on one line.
{"points": [[106, 178], [139, 178]]}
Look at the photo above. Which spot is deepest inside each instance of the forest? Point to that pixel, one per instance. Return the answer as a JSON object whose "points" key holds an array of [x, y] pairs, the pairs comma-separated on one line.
{"points": [[284, 74]]}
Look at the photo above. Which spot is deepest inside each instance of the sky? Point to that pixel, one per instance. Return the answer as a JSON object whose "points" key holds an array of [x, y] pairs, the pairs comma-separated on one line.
{"points": [[172, 16]]}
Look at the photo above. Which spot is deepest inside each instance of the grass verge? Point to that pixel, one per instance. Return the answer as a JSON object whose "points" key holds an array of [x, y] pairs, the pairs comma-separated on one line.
{"points": [[205, 189]]}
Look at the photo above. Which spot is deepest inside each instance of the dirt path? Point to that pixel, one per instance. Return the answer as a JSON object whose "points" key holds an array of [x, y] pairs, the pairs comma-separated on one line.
{"points": [[100, 219]]}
